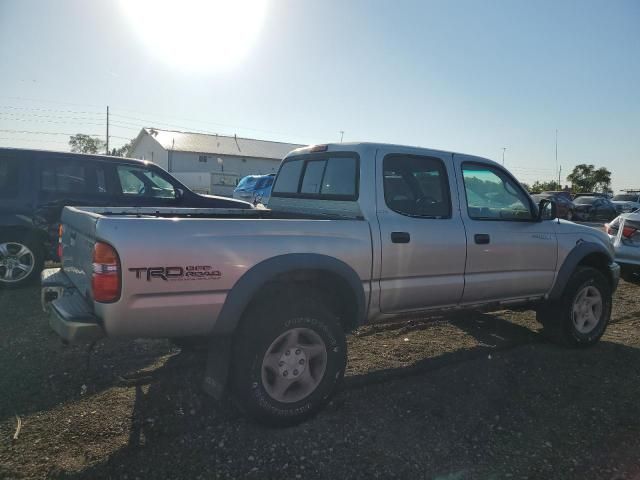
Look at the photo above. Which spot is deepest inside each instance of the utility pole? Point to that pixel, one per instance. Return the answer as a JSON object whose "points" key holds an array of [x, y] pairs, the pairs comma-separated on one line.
{"points": [[107, 144], [559, 175], [557, 170], [341, 135], [503, 150]]}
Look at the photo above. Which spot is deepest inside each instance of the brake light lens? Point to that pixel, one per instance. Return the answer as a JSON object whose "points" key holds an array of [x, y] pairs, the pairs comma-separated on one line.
{"points": [[60, 232], [105, 281], [628, 232]]}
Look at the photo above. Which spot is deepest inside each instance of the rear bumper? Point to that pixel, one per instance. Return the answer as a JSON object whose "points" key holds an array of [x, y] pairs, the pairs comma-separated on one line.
{"points": [[69, 314]]}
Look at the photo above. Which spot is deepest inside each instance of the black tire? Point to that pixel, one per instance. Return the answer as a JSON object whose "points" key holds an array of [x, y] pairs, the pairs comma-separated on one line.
{"points": [[630, 274], [260, 328], [35, 248], [557, 318]]}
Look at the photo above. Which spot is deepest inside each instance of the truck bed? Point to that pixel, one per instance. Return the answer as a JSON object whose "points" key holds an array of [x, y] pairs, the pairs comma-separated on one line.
{"points": [[224, 243]]}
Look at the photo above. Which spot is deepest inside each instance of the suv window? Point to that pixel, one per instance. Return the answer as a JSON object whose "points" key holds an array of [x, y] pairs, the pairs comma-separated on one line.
{"points": [[72, 176], [142, 182], [492, 195], [9, 177], [323, 176], [416, 186]]}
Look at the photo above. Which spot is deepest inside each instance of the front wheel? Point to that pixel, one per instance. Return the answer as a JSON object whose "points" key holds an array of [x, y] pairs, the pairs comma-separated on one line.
{"points": [[289, 358], [581, 316]]}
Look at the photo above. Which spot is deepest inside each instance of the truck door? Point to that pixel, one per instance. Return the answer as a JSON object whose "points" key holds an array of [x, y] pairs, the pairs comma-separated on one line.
{"points": [[509, 253], [422, 236]]}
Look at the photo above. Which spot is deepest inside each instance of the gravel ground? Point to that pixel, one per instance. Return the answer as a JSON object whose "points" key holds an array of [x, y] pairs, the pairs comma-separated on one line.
{"points": [[471, 396]]}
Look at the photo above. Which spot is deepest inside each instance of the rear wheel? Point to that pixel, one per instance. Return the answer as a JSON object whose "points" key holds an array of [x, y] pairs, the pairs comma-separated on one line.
{"points": [[21, 261], [289, 359], [581, 316]]}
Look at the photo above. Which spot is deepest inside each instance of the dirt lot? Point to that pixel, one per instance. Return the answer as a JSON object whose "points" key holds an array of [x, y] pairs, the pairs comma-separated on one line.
{"points": [[475, 396]]}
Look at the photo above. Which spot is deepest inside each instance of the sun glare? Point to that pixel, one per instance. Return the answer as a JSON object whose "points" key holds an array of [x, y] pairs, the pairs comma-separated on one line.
{"points": [[197, 34]]}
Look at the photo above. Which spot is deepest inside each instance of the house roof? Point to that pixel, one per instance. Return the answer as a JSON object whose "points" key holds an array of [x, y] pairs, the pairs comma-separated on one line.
{"points": [[219, 144]]}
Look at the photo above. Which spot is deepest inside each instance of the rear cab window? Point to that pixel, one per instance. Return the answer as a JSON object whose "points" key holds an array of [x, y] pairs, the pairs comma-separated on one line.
{"points": [[327, 176]]}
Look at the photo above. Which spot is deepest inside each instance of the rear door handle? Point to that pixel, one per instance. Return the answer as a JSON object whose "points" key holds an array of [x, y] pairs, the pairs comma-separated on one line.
{"points": [[400, 237], [482, 238]]}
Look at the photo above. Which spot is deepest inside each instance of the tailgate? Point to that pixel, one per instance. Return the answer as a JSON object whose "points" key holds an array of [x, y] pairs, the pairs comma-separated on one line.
{"points": [[78, 238]]}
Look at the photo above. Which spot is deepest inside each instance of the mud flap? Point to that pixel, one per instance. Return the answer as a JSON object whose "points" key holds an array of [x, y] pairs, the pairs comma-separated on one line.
{"points": [[217, 367]]}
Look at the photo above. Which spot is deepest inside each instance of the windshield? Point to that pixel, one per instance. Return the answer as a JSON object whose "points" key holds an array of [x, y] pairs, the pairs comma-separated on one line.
{"points": [[264, 182], [585, 200]]}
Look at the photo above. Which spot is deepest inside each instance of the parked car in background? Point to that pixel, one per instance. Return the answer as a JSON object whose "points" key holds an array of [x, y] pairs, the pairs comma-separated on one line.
{"points": [[558, 193], [624, 232], [591, 194], [255, 188], [564, 204], [36, 185], [627, 202], [594, 209]]}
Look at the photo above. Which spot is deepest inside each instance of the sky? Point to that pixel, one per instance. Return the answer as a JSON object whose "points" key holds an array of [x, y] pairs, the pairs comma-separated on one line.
{"points": [[468, 76]]}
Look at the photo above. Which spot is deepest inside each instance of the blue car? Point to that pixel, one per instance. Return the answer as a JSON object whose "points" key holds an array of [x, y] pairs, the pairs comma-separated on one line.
{"points": [[255, 188]]}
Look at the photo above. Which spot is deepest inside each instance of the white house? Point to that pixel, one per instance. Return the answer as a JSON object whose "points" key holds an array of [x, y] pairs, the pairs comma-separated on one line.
{"points": [[200, 160]]}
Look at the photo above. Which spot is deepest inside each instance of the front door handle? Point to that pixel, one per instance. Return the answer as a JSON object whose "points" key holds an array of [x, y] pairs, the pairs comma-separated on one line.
{"points": [[400, 237], [482, 238]]}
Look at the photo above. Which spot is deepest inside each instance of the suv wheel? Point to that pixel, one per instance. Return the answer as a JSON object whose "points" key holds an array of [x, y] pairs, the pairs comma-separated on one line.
{"points": [[289, 358], [581, 316], [21, 261]]}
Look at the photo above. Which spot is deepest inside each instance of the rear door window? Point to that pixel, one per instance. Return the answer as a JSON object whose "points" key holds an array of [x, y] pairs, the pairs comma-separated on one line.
{"points": [[416, 186], [9, 177], [73, 177]]}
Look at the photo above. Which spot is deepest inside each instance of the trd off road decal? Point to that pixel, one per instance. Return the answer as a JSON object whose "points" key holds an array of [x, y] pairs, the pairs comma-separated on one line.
{"points": [[190, 272]]}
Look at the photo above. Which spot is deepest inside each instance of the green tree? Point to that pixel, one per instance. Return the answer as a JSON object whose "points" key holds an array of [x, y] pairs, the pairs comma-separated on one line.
{"points": [[539, 186], [124, 150], [81, 143], [586, 178]]}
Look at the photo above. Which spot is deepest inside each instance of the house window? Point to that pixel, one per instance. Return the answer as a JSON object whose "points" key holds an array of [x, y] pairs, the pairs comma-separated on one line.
{"points": [[202, 159]]}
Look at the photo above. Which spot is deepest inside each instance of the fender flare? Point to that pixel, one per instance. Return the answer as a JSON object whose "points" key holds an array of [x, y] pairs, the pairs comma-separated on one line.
{"points": [[571, 262], [246, 288]]}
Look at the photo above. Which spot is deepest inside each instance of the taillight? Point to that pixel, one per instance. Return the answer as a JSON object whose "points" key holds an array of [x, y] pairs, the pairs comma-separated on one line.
{"points": [[60, 232], [105, 281], [628, 232]]}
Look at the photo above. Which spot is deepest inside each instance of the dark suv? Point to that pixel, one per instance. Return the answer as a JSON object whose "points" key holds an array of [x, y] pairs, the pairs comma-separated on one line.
{"points": [[36, 185]]}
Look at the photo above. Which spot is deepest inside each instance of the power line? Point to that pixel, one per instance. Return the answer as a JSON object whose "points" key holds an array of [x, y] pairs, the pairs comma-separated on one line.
{"points": [[44, 133], [35, 109]]}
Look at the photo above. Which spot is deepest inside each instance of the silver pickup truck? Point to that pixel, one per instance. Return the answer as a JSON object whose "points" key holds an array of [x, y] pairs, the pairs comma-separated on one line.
{"points": [[354, 233]]}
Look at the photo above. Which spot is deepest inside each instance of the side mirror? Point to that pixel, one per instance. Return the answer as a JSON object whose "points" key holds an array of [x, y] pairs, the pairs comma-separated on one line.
{"points": [[547, 210], [179, 193]]}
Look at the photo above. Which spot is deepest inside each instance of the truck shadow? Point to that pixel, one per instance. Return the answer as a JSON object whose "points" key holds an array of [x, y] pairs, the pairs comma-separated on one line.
{"points": [[38, 372], [507, 403]]}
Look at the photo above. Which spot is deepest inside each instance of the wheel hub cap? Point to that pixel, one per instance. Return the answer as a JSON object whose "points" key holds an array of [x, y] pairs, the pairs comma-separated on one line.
{"points": [[294, 365], [16, 262], [587, 309]]}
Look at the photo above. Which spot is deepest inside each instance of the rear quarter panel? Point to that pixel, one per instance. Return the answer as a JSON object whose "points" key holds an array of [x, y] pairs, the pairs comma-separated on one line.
{"points": [[225, 249]]}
